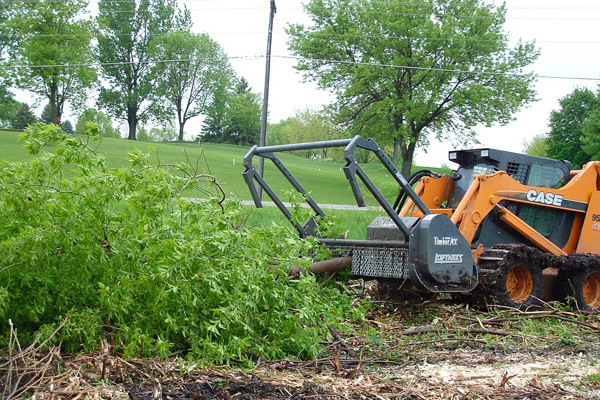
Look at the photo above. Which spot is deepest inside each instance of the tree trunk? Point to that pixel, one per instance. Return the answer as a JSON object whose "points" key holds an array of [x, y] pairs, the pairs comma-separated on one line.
{"points": [[322, 267], [180, 118], [396, 151], [406, 166], [408, 154], [132, 122], [54, 102], [181, 125]]}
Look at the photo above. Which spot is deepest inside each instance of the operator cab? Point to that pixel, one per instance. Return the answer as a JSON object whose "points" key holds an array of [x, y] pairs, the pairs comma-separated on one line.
{"points": [[527, 170]]}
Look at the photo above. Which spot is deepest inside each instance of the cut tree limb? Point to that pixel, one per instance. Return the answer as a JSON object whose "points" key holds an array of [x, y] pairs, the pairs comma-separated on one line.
{"points": [[321, 267], [340, 340]]}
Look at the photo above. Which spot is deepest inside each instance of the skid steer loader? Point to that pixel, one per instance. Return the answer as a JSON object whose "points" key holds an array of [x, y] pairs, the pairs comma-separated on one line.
{"points": [[508, 228]]}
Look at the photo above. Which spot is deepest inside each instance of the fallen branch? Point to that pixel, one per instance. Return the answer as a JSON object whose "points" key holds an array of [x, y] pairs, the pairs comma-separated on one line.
{"points": [[337, 337], [432, 329], [322, 267], [444, 340]]}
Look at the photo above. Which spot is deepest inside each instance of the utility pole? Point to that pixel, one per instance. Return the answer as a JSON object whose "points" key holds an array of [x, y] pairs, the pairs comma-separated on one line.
{"points": [[265, 107]]}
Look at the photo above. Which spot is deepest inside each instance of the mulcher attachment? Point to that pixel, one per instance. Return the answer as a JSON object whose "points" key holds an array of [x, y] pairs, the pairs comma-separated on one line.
{"points": [[439, 258]]}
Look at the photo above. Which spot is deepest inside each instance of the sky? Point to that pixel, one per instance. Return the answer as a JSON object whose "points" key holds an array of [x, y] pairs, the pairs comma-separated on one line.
{"points": [[567, 34]]}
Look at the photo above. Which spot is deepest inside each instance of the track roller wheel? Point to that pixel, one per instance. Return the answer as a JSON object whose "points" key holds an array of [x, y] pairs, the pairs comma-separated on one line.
{"points": [[515, 281], [519, 284], [583, 287]]}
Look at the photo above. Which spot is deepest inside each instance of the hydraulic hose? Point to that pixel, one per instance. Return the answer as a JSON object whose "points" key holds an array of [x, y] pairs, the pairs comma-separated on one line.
{"points": [[412, 179]]}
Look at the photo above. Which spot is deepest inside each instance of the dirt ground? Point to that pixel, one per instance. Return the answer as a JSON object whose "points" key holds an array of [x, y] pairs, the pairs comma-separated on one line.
{"points": [[430, 350]]}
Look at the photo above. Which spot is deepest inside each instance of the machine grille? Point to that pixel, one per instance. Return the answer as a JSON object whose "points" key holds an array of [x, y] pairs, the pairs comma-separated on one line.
{"points": [[517, 171], [379, 262]]}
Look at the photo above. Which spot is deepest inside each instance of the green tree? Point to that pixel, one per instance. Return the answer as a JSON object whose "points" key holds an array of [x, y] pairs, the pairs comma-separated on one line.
{"points": [[100, 119], [166, 133], [121, 254], [309, 125], [213, 126], [54, 34], [8, 40], [24, 117], [67, 127], [46, 116], [126, 29], [566, 126], [201, 74], [278, 133], [591, 132], [143, 135], [8, 106], [537, 146], [243, 116], [8, 36], [403, 70]]}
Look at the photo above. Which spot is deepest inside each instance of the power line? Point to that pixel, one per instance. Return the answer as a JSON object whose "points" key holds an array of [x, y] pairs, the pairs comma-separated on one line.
{"points": [[338, 35], [508, 7], [231, 9], [257, 57], [100, 64], [408, 4], [491, 73]]}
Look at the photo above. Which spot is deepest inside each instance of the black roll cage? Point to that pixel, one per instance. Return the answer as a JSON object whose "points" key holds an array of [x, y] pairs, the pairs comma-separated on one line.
{"points": [[351, 169]]}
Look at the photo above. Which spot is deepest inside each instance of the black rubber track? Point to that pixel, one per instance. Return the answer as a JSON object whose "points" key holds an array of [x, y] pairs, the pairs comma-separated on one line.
{"points": [[495, 265], [569, 286]]}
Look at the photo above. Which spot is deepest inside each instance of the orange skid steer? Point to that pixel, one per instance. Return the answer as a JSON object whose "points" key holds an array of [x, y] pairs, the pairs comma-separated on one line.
{"points": [[508, 228]]}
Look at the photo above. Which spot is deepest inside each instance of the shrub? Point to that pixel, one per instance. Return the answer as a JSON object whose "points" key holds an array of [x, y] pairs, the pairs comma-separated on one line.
{"points": [[118, 253]]}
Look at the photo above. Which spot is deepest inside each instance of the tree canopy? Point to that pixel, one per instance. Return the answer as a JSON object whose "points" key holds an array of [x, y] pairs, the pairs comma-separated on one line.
{"points": [[24, 117], [102, 122], [126, 30], [591, 131], [8, 35], [235, 117], [537, 146], [306, 125], [55, 50], [243, 116], [8, 106], [566, 126], [191, 85], [401, 71]]}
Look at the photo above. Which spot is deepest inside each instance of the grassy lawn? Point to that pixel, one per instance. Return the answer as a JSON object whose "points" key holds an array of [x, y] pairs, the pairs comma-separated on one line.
{"points": [[325, 181], [352, 222]]}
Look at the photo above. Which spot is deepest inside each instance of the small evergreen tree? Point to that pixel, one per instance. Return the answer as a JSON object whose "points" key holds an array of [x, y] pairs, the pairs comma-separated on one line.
{"points": [[243, 116], [46, 116], [24, 117], [67, 127]]}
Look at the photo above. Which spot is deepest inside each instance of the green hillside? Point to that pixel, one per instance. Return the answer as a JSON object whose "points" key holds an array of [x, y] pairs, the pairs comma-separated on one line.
{"points": [[324, 180]]}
